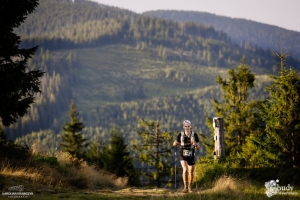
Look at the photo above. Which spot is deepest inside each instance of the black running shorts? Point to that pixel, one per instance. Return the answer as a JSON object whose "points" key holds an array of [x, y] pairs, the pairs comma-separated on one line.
{"points": [[189, 160]]}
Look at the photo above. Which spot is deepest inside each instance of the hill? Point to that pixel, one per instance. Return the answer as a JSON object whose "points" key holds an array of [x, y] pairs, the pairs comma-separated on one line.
{"points": [[120, 67], [241, 31]]}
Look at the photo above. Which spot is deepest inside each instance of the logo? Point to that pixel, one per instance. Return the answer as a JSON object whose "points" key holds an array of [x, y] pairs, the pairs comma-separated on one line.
{"points": [[17, 192], [19, 188], [274, 188]]}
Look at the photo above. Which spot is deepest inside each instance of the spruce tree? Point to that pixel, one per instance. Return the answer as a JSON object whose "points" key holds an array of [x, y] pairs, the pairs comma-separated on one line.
{"points": [[18, 83], [72, 138], [154, 150], [241, 116], [281, 114], [93, 155], [116, 159]]}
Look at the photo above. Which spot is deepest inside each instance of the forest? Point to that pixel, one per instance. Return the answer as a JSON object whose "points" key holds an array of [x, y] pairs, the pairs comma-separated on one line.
{"points": [[241, 31], [123, 49]]}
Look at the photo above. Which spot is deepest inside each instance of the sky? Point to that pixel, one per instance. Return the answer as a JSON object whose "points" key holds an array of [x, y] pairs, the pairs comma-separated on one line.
{"points": [[282, 13]]}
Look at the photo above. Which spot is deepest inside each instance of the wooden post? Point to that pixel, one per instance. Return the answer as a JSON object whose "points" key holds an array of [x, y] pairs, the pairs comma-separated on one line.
{"points": [[218, 137]]}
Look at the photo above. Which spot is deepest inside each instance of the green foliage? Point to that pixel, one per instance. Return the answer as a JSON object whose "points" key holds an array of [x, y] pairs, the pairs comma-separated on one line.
{"points": [[241, 116], [281, 114], [116, 158], [72, 138], [155, 151], [211, 170], [93, 154], [18, 84], [52, 161]]}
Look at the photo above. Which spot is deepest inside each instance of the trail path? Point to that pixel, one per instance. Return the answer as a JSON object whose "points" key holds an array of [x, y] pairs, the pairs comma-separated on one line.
{"points": [[147, 192]]}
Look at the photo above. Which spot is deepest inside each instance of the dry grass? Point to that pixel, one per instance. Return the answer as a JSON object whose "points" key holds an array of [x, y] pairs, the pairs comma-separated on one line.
{"points": [[32, 177], [97, 178], [229, 185], [89, 176], [7, 169], [40, 175]]}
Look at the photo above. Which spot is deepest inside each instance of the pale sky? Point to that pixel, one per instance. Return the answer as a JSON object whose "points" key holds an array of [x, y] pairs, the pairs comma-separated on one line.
{"points": [[282, 13]]}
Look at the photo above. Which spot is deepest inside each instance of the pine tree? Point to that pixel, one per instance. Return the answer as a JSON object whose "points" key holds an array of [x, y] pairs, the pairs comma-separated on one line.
{"points": [[155, 151], [116, 158], [72, 138], [18, 83], [281, 114], [93, 155], [241, 117]]}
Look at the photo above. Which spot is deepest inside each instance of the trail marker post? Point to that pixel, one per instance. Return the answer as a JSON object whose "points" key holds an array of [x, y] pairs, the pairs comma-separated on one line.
{"points": [[218, 137]]}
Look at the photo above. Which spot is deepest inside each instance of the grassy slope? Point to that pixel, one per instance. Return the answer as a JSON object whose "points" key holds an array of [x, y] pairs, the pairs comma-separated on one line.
{"points": [[107, 71], [111, 69]]}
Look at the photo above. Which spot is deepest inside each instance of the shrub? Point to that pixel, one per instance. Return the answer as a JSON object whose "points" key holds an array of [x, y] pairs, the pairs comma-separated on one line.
{"points": [[52, 162]]}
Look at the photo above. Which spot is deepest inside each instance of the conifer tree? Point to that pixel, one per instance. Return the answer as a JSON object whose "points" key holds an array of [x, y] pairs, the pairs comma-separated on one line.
{"points": [[116, 159], [18, 83], [93, 155], [240, 115], [281, 144], [72, 138], [155, 151]]}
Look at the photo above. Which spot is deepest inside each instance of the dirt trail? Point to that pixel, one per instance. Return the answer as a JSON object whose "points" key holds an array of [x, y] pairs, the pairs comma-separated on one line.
{"points": [[147, 192]]}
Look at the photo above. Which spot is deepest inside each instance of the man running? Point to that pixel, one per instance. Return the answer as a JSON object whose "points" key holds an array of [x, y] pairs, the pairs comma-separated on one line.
{"points": [[188, 141]]}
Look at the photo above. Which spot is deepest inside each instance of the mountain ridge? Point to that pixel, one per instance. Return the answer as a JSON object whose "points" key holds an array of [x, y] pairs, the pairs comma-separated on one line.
{"points": [[239, 30]]}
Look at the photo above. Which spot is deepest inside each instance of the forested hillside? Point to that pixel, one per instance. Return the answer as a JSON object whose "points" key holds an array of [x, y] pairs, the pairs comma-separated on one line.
{"points": [[243, 32], [120, 67]]}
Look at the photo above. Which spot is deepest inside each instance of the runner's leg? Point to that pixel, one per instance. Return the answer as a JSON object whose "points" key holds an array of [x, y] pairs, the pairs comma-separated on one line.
{"points": [[191, 169], [184, 174]]}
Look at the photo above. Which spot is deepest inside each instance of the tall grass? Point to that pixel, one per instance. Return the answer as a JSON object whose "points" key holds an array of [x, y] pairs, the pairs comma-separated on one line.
{"points": [[57, 172]]}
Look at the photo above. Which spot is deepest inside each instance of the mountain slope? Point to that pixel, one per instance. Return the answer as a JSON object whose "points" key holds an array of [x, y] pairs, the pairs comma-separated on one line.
{"points": [[240, 30], [118, 67]]}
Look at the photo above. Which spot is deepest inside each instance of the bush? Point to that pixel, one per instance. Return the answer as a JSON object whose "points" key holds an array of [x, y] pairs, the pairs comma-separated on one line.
{"points": [[52, 162]]}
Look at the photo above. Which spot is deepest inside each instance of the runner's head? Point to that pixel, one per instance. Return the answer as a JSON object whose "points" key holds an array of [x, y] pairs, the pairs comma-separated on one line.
{"points": [[187, 125]]}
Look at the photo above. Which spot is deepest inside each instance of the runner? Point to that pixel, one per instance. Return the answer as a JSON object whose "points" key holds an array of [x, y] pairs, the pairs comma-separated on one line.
{"points": [[188, 141]]}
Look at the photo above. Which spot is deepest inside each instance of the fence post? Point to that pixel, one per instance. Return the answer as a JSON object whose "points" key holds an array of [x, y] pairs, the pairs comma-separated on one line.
{"points": [[218, 137]]}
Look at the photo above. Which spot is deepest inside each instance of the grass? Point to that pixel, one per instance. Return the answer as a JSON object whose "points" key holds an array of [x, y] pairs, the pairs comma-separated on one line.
{"points": [[224, 188], [42, 177]]}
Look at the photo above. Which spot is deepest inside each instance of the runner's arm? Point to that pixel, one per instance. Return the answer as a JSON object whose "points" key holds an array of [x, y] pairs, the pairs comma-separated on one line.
{"points": [[197, 145], [197, 142], [176, 142]]}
